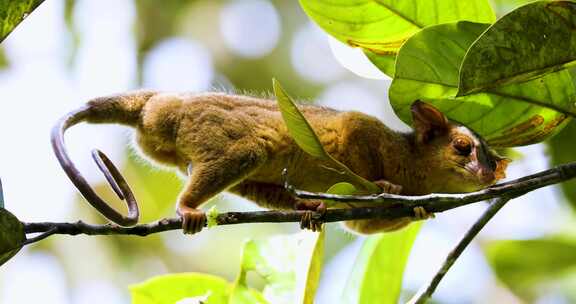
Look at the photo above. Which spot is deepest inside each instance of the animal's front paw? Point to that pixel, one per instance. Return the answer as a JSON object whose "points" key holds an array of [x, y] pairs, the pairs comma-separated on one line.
{"points": [[421, 214], [388, 187], [193, 220], [312, 217]]}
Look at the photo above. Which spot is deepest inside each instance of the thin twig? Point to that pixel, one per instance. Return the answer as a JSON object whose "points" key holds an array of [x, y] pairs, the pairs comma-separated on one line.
{"points": [[40, 237], [396, 206], [426, 293], [443, 202]]}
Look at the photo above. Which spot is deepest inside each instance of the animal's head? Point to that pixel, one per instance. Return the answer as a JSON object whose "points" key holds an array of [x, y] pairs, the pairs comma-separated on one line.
{"points": [[459, 160]]}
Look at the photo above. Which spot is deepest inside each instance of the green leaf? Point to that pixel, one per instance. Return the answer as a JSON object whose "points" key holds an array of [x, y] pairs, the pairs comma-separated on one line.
{"points": [[342, 188], [379, 268], [290, 265], [427, 69], [12, 235], [13, 12], [531, 41], [380, 27], [169, 289], [309, 268], [306, 138], [526, 264], [298, 126], [242, 294], [561, 150], [212, 217]]}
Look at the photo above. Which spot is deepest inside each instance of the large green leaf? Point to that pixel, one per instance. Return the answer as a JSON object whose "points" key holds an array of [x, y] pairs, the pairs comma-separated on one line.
{"points": [[427, 69], [289, 264], [13, 12], [379, 268], [12, 235], [529, 42], [380, 27], [561, 150], [524, 265], [169, 289], [306, 138]]}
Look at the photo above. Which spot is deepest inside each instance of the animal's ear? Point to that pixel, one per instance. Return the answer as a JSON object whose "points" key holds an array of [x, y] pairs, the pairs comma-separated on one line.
{"points": [[429, 122], [501, 165]]}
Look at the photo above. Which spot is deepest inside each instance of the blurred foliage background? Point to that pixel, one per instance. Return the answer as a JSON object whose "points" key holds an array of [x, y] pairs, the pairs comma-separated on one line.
{"points": [[69, 51]]}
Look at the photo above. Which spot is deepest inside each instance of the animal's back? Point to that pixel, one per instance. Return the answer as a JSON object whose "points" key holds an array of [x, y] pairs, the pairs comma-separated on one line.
{"points": [[178, 129]]}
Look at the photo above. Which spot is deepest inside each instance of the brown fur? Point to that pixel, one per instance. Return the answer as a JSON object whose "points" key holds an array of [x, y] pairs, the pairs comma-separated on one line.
{"points": [[241, 144]]}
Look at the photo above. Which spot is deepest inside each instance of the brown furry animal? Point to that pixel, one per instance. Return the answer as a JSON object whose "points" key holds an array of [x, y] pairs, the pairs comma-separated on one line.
{"points": [[241, 144]]}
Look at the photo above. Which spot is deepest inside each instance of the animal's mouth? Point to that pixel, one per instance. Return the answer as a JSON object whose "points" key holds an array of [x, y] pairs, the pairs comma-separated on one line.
{"points": [[475, 175]]}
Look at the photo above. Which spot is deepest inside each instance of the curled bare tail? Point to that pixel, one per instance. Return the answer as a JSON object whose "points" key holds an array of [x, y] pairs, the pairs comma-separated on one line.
{"points": [[123, 109]]}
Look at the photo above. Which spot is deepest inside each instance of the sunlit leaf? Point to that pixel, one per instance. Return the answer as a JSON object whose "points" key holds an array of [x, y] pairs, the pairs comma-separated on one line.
{"points": [[531, 41], [379, 267], [561, 149], [12, 235], [380, 27], [525, 264], [242, 294], [306, 138], [309, 267], [13, 12], [427, 69], [290, 265], [172, 288]]}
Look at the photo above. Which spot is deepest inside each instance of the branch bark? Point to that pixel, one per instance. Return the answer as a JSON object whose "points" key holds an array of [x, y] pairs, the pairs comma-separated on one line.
{"points": [[392, 206]]}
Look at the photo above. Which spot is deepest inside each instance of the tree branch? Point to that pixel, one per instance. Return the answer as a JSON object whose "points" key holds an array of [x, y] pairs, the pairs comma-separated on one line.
{"points": [[395, 206], [426, 293]]}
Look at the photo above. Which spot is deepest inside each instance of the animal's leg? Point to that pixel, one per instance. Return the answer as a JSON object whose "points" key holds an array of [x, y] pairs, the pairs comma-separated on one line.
{"points": [[276, 197], [380, 225], [212, 177]]}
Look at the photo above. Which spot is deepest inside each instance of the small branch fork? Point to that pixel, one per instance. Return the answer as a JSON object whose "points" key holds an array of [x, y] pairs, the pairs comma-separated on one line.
{"points": [[392, 206]]}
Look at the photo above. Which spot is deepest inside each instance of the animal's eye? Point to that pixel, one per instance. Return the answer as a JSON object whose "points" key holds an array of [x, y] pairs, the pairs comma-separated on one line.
{"points": [[463, 146]]}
